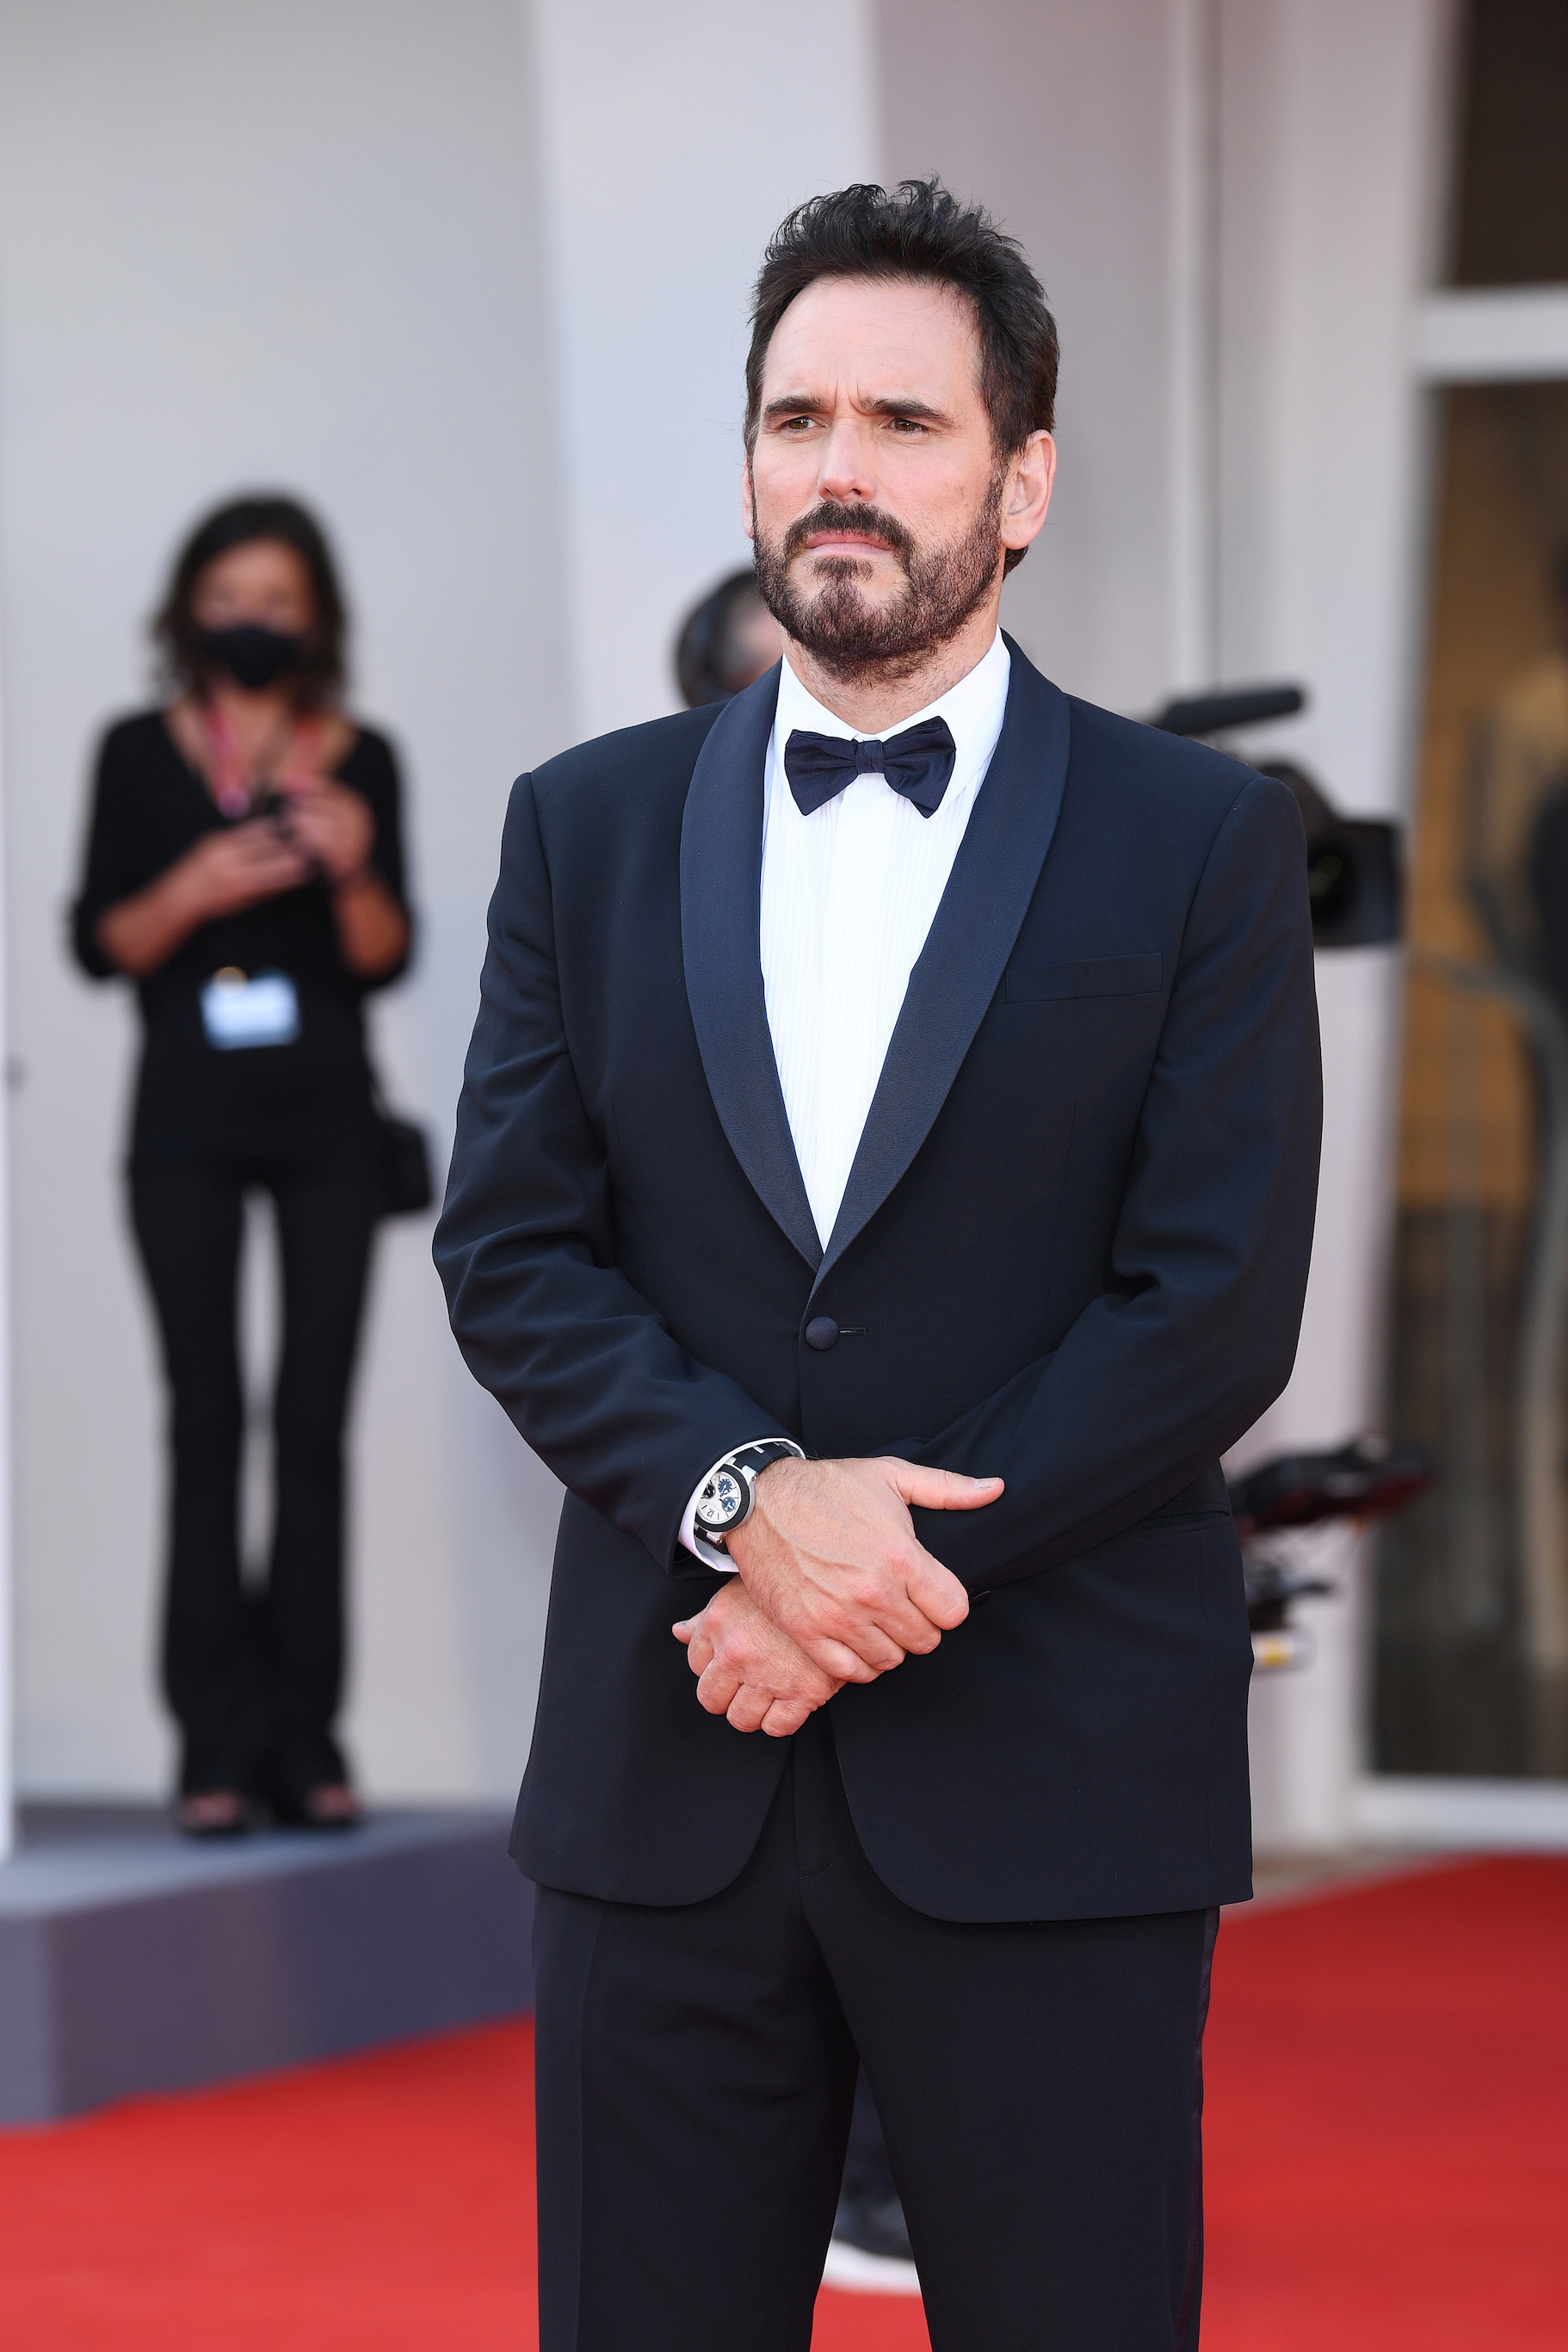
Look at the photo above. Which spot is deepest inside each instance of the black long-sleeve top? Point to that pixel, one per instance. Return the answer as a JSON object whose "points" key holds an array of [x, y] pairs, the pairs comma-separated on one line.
{"points": [[194, 1099]]}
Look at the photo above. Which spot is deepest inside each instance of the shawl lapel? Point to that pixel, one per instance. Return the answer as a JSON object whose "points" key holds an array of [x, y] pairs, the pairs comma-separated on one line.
{"points": [[721, 929], [960, 968]]}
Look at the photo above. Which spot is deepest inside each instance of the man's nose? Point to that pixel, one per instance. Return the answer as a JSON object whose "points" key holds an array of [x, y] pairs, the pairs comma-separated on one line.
{"points": [[847, 472]]}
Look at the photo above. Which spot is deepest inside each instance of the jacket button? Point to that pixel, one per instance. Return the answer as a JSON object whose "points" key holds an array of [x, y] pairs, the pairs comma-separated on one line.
{"points": [[822, 1332]]}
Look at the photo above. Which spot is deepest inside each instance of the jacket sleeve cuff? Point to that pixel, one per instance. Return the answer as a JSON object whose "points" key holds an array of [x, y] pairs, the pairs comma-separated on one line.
{"points": [[711, 1560]]}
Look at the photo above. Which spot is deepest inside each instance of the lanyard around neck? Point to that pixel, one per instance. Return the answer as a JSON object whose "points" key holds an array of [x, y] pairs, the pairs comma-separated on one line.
{"points": [[234, 791]]}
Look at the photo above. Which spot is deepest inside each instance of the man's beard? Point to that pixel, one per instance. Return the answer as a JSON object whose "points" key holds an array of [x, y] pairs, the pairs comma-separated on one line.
{"points": [[854, 639]]}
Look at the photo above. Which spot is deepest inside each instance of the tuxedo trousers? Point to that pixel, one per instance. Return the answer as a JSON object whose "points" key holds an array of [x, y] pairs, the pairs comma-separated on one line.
{"points": [[1040, 2083]]}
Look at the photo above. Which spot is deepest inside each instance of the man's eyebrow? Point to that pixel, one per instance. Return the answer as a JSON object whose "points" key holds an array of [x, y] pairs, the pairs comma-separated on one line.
{"points": [[891, 407], [793, 403], [806, 403]]}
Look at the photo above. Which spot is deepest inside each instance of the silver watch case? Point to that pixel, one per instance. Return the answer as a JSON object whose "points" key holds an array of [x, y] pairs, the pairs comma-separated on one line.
{"points": [[727, 1495], [725, 1501]]}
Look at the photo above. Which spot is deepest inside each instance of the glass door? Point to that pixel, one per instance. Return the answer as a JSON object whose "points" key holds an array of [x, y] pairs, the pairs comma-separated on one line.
{"points": [[1471, 1675]]}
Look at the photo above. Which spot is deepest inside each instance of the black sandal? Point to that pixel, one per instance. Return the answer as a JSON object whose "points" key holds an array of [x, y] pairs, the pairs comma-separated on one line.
{"points": [[332, 1805], [213, 1814]]}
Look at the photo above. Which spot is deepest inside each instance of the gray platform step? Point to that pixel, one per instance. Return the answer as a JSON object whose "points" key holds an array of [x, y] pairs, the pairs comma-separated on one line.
{"points": [[134, 1960]]}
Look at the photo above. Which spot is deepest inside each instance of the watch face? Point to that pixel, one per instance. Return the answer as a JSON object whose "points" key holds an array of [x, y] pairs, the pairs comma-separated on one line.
{"points": [[722, 1501]]}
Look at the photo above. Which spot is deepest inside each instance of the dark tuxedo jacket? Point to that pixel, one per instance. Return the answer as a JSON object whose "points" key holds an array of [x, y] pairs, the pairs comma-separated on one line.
{"points": [[1072, 1252]]}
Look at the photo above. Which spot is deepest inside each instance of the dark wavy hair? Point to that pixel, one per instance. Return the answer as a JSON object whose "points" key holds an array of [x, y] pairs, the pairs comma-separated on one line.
{"points": [[921, 231], [321, 677]]}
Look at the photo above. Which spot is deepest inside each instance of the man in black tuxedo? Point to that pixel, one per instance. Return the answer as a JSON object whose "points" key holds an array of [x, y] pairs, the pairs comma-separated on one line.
{"points": [[883, 1188]]}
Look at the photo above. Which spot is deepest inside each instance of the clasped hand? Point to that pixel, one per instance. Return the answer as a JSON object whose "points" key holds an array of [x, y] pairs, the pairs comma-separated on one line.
{"points": [[831, 1586], [321, 827], [330, 825]]}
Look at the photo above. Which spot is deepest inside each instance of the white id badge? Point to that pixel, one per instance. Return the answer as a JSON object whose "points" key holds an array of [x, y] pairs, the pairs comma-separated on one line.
{"points": [[237, 1011]]}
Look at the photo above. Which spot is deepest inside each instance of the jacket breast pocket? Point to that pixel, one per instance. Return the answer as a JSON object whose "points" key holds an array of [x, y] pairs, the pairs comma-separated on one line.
{"points": [[1130, 975]]}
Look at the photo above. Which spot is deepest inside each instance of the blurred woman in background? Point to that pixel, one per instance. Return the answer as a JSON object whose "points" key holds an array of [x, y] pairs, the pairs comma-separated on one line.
{"points": [[245, 868]]}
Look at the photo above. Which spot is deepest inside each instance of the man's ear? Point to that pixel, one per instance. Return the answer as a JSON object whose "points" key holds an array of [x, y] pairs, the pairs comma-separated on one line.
{"points": [[1031, 476], [748, 498]]}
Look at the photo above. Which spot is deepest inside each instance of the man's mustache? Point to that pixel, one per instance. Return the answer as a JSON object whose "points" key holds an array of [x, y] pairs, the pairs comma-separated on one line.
{"points": [[831, 516]]}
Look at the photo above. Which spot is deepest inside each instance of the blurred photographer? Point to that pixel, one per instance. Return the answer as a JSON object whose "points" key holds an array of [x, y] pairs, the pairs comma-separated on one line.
{"points": [[725, 642], [244, 866]]}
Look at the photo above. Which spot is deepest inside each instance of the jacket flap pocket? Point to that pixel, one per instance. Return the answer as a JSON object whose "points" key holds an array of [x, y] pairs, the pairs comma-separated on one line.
{"points": [[1134, 975]]}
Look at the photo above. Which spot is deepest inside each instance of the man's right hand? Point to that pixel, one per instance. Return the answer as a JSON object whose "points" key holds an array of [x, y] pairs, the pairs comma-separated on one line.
{"points": [[748, 1670], [829, 1553]]}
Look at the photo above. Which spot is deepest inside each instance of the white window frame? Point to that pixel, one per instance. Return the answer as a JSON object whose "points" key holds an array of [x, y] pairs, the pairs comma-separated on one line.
{"points": [[1493, 334]]}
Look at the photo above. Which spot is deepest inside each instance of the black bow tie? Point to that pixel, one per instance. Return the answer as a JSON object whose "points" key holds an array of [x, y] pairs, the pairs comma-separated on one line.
{"points": [[918, 763]]}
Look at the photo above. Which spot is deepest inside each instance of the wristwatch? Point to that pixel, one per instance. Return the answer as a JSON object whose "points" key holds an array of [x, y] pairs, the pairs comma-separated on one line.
{"points": [[730, 1489]]}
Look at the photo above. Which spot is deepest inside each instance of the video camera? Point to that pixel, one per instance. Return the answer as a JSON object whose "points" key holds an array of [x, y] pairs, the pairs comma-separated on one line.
{"points": [[1353, 863], [1370, 1478]]}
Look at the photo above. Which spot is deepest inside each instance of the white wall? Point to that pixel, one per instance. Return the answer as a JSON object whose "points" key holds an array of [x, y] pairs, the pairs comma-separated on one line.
{"points": [[474, 276], [295, 244]]}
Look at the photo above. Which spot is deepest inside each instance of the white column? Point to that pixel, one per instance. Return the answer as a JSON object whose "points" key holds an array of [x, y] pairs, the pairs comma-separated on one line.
{"points": [[1332, 137], [8, 1596], [675, 139], [1193, 495]]}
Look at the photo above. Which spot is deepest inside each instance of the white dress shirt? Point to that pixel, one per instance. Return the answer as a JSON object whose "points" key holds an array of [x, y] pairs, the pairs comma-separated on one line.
{"points": [[849, 894]]}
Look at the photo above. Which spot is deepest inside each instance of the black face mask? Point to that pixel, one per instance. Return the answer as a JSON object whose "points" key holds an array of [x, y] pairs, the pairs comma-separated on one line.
{"points": [[253, 656]]}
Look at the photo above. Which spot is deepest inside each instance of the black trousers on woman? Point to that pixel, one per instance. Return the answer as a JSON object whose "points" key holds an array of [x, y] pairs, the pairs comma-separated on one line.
{"points": [[254, 1676]]}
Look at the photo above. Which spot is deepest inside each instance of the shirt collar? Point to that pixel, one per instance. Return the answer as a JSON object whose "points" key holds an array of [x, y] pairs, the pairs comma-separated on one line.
{"points": [[973, 708]]}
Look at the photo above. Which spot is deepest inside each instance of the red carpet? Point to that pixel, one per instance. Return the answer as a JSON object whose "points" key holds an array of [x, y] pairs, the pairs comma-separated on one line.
{"points": [[1387, 2158], [1388, 2130]]}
